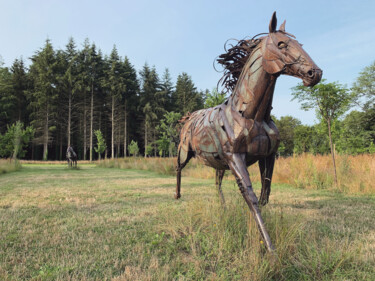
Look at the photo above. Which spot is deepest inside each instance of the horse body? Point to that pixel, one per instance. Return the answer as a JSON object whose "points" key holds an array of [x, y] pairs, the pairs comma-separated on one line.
{"points": [[236, 126], [240, 132]]}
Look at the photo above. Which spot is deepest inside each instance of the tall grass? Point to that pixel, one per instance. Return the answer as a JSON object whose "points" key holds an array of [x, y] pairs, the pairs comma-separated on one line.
{"points": [[7, 166], [212, 244], [355, 173]]}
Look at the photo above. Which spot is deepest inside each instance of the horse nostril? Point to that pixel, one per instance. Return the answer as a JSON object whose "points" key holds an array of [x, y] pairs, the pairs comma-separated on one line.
{"points": [[310, 73]]}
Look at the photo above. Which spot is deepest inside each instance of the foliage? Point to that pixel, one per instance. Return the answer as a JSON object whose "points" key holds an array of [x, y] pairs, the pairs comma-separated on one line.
{"points": [[214, 98], [69, 93], [286, 126], [331, 101], [6, 98], [100, 146], [188, 98], [169, 130], [354, 138], [15, 140], [364, 87], [133, 148]]}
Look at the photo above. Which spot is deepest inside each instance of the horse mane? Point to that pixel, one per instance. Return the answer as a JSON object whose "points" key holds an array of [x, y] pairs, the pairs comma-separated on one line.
{"points": [[234, 60]]}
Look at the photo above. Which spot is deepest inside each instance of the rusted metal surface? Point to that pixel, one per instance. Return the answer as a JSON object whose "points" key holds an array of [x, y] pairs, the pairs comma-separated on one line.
{"points": [[240, 132]]}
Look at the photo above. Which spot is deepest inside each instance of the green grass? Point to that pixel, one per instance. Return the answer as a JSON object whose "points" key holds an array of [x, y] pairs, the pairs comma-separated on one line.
{"points": [[95, 223]]}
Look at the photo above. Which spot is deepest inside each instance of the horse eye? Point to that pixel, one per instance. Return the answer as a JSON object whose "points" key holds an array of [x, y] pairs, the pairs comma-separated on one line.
{"points": [[281, 45]]}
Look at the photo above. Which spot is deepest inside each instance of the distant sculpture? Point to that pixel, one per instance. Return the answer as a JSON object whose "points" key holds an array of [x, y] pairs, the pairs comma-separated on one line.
{"points": [[71, 157], [240, 132]]}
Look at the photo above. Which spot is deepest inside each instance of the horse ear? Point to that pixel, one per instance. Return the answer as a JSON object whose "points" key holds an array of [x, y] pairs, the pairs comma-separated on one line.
{"points": [[282, 26], [273, 23]]}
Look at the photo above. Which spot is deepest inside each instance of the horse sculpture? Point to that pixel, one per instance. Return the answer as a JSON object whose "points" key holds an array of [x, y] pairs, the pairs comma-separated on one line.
{"points": [[240, 132], [71, 157]]}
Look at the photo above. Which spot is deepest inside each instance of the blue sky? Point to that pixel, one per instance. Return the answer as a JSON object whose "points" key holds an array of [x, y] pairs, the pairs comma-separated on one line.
{"points": [[186, 36]]}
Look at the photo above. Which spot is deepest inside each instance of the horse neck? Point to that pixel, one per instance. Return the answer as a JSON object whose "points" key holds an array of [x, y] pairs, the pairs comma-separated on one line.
{"points": [[253, 94]]}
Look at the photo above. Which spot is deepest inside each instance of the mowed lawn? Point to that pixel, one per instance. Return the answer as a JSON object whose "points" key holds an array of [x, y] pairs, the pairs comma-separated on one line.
{"points": [[96, 223]]}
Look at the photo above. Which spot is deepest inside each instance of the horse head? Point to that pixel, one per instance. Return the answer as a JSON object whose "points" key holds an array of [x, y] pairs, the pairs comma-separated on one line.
{"points": [[284, 55]]}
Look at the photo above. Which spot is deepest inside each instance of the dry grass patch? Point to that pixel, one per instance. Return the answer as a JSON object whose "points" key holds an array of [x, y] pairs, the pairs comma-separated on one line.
{"points": [[355, 173]]}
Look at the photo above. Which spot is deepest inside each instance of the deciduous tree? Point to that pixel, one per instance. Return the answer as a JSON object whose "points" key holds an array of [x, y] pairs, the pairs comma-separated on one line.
{"points": [[331, 100]]}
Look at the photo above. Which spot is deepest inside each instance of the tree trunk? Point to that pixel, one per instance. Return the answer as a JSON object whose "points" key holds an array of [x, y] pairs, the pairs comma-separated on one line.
{"points": [[145, 138], [69, 116], [84, 130], [91, 119], [113, 128], [332, 150], [45, 140], [125, 130], [154, 140], [61, 144], [118, 142], [170, 147]]}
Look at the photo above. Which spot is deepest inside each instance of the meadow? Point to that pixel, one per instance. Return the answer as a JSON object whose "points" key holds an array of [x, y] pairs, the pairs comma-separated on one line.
{"points": [[97, 223], [355, 173]]}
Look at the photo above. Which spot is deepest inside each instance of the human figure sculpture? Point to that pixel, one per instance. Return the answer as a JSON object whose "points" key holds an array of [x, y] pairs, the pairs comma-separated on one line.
{"points": [[240, 132]]}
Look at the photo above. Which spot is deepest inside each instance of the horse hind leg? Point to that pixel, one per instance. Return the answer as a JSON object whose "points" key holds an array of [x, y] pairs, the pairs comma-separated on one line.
{"points": [[183, 158], [219, 180], [266, 170]]}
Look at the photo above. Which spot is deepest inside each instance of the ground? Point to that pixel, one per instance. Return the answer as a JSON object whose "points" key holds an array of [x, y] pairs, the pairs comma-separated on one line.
{"points": [[96, 223]]}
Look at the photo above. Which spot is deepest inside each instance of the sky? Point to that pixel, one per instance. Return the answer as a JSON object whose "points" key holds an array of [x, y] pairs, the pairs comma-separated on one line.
{"points": [[187, 36]]}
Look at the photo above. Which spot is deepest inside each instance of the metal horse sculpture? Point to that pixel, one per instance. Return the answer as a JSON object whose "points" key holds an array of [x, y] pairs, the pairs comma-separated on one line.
{"points": [[71, 157], [240, 132]]}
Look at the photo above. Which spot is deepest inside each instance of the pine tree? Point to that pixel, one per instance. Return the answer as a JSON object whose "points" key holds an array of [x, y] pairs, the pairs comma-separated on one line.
{"points": [[70, 79], [83, 91], [166, 87], [150, 104], [95, 71], [43, 96], [129, 96], [20, 85], [115, 84], [7, 100], [188, 99]]}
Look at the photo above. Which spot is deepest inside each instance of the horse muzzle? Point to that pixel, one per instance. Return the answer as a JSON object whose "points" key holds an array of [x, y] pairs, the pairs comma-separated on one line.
{"points": [[312, 77]]}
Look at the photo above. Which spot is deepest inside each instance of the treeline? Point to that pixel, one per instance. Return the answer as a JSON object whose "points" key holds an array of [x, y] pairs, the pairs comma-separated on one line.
{"points": [[354, 134], [102, 106], [66, 95]]}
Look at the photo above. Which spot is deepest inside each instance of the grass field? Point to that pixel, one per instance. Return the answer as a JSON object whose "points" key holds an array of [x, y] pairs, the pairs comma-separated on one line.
{"points": [[96, 223]]}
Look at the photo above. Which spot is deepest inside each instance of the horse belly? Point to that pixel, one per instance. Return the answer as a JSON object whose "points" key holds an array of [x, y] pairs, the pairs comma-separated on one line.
{"points": [[263, 139], [208, 140], [208, 149]]}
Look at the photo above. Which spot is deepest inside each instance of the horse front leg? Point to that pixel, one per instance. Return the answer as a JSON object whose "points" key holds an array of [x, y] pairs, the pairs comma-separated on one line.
{"points": [[238, 167], [266, 170]]}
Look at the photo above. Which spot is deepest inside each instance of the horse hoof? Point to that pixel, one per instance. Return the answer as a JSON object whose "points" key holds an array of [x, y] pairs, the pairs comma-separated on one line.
{"points": [[177, 196], [263, 201]]}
